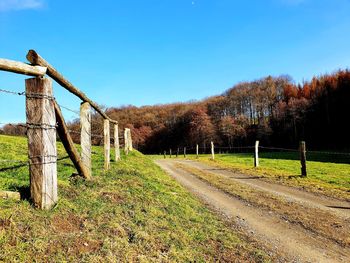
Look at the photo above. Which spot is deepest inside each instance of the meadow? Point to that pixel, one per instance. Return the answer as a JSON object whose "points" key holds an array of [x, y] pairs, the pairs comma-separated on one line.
{"points": [[326, 173], [133, 212]]}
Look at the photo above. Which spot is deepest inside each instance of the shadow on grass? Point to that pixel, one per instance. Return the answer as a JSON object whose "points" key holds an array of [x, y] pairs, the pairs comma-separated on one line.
{"points": [[339, 207], [5, 169], [247, 177], [24, 191]]}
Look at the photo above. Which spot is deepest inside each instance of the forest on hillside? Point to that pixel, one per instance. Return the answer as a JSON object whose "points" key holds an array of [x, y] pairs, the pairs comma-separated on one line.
{"points": [[274, 110]]}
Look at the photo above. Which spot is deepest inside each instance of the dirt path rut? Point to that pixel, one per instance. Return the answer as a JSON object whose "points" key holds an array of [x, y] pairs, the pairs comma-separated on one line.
{"points": [[341, 208], [291, 241]]}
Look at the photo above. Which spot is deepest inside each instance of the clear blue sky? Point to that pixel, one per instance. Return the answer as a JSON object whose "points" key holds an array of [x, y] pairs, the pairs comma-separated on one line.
{"points": [[159, 51]]}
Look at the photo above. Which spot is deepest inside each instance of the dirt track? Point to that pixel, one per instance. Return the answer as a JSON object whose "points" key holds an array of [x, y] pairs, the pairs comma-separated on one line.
{"points": [[288, 240]]}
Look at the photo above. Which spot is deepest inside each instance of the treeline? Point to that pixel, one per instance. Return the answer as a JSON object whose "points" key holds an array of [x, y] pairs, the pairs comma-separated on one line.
{"points": [[273, 110]]}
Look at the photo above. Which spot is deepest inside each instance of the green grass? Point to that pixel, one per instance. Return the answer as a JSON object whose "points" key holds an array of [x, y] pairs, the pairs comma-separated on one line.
{"points": [[324, 176], [326, 173], [134, 212]]}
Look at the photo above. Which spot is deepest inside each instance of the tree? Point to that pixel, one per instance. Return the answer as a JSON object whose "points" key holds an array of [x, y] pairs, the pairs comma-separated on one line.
{"points": [[201, 130], [231, 130]]}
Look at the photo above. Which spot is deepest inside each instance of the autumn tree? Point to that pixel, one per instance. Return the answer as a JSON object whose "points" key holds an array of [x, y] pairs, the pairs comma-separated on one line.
{"points": [[200, 128]]}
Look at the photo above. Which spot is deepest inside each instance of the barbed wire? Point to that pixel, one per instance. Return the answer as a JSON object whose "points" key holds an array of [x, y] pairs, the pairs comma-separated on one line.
{"points": [[21, 124], [71, 131], [174, 150], [68, 109], [92, 135], [279, 149], [13, 92], [23, 93], [336, 153]]}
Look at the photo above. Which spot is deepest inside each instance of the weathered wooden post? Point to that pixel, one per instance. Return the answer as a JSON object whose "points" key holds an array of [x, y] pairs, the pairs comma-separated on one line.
{"points": [[41, 133], [116, 142], [126, 141], [85, 135], [107, 144], [170, 153], [164, 154], [303, 158], [197, 151], [177, 152], [129, 140], [256, 154], [67, 141], [185, 152], [212, 151]]}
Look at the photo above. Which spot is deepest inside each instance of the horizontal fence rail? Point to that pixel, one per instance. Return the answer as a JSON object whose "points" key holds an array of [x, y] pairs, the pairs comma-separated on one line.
{"points": [[21, 68], [36, 59]]}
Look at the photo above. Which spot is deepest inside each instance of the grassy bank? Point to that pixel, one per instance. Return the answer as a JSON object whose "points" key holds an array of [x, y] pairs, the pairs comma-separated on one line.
{"points": [[324, 176], [134, 212]]}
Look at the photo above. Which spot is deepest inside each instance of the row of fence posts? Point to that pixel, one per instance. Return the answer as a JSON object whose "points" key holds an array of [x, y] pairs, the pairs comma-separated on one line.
{"points": [[197, 152], [302, 149]]}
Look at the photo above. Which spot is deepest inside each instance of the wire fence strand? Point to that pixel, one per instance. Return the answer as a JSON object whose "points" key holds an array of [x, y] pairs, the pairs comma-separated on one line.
{"points": [[22, 93]]}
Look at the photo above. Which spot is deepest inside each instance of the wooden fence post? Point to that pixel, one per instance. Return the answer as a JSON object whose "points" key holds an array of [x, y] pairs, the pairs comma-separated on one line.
{"points": [[126, 141], [116, 142], [197, 151], [85, 135], [164, 154], [177, 152], [67, 141], [41, 133], [256, 154], [107, 144], [303, 158], [212, 151], [129, 140], [185, 152], [170, 153]]}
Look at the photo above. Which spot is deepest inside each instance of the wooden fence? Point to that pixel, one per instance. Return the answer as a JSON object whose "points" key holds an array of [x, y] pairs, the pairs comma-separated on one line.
{"points": [[45, 119], [255, 148]]}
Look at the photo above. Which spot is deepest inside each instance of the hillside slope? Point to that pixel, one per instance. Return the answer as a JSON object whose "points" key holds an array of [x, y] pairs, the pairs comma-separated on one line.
{"points": [[134, 212]]}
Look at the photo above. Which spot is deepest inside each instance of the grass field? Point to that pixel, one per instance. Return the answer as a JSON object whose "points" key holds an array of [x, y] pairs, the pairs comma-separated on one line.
{"points": [[325, 175], [134, 212]]}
